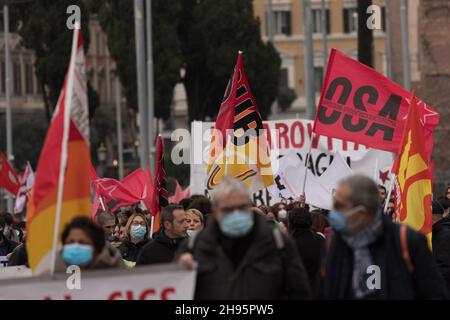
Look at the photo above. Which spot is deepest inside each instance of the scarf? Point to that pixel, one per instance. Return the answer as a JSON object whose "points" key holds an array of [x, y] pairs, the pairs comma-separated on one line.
{"points": [[362, 258]]}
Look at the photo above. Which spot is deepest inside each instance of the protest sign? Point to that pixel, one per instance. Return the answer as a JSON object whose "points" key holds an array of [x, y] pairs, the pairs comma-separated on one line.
{"points": [[292, 135], [162, 282], [360, 104]]}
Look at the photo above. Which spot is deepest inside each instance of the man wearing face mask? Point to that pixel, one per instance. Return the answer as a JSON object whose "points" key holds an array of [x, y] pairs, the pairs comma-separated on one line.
{"points": [[372, 258], [240, 256], [173, 230], [108, 222]]}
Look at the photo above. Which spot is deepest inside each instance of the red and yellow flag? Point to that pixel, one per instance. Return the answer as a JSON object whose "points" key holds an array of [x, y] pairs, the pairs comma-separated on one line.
{"points": [[413, 183], [41, 213], [238, 145]]}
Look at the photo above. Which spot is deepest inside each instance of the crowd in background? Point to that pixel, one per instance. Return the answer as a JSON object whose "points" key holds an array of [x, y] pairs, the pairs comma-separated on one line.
{"points": [[242, 251]]}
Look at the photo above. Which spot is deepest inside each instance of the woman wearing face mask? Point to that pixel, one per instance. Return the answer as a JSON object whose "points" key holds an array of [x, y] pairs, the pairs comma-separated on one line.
{"points": [[84, 245], [137, 235], [195, 221]]}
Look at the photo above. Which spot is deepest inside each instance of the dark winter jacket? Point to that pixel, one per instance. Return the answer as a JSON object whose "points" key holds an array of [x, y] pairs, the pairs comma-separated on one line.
{"points": [[397, 282], [7, 246], [441, 247], [310, 246], [266, 270], [19, 256], [130, 251], [159, 250]]}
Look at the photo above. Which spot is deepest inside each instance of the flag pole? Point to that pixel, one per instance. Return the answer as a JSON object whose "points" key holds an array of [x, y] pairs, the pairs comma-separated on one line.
{"points": [[308, 155], [389, 192], [152, 223], [63, 163]]}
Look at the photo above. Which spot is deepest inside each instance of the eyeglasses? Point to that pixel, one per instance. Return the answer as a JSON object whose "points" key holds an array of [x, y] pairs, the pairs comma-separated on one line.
{"points": [[135, 223]]}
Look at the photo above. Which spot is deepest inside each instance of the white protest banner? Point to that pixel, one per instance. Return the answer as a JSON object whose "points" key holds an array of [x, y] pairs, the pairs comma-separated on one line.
{"points": [[15, 272], [160, 282], [3, 261], [292, 135], [337, 171]]}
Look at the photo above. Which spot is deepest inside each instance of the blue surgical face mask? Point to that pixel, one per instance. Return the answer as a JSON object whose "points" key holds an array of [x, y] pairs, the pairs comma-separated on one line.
{"points": [[77, 254], [237, 223], [338, 220], [138, 232]]}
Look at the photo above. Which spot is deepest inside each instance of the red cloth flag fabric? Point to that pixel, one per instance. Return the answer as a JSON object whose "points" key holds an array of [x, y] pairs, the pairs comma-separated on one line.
{"points": [[179, 194], [159, 194], [361, 105], [130, 190], [70, 121], [8, 177], [26, 185], [413, 183], [148, 201]]}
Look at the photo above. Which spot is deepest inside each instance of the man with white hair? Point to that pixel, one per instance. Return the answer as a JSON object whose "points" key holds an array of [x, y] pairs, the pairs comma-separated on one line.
{"points": [[240, 256]]}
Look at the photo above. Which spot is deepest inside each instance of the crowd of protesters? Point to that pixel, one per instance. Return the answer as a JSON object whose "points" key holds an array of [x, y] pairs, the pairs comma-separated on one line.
{"points": [[286, 251]]}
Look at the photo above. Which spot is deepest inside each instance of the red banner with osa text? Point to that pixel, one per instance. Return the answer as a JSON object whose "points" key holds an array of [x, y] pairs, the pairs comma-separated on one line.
{"points": [[361, 105]]}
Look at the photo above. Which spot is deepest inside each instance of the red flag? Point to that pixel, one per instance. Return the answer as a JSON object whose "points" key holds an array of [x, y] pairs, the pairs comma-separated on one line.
{"points": [[179, 194], [413, 183], [8, 178], [159, 186], [128, 191], [361, 105], [26, 185], [148, 201]]}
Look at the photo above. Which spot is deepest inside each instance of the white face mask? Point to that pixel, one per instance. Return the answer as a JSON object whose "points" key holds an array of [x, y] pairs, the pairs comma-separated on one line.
{"points": [[190, 233], [282, 214]]}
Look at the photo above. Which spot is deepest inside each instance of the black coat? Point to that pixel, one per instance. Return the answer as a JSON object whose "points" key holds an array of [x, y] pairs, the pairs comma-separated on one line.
{"points": [[130, 251], [264, 272], [159, 250], [396, 281], [7, 246], [310, 246], [441, 247], [19, 256]]}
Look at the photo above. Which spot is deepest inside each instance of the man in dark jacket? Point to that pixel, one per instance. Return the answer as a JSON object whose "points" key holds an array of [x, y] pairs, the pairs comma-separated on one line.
{"points": [[372, 258], [164, 244], [441, 237], [240, 256]]}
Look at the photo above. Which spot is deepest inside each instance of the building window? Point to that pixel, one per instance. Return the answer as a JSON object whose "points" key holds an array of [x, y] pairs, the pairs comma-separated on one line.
{"points": [[29, 79], [350, 20], [317, 20], [17, 76], [281, 22], [318, 78]]}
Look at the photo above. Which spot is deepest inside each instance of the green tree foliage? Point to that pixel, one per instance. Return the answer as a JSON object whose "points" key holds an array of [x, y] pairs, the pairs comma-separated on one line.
{"points": [[117, 20], [211, 33], [29, 130], [45, 32]]}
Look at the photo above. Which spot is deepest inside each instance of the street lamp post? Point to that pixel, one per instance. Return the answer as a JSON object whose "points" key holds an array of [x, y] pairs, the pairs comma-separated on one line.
{"points": [[101, 157]]}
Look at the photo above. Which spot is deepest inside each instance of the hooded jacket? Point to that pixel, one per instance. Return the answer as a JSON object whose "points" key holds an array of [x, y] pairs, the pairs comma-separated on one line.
{"points": [[441, 247], [263, 272], [159, 250], [109, 257]]}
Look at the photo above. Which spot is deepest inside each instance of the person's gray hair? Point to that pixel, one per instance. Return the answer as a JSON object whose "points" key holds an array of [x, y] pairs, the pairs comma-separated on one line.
{"points": [[105, 217], [227, 186], [363, 192]]}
